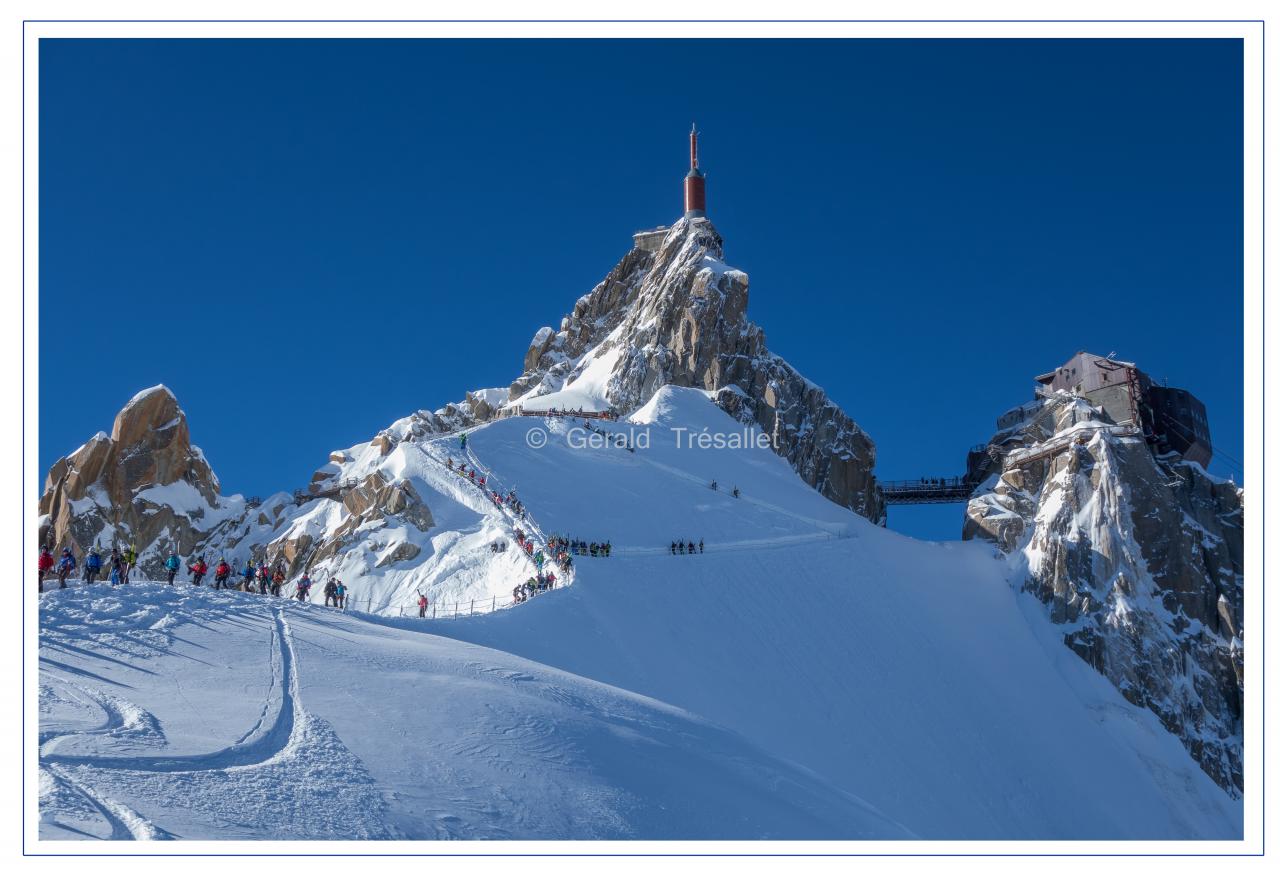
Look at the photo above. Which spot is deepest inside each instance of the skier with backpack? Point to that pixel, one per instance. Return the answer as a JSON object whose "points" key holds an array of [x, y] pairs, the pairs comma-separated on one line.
{"points": [[66, 565], [172, 565], [92, 566]]}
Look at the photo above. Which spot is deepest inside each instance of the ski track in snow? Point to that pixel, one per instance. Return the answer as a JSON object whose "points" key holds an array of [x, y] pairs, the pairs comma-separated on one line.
{"points": [[276, 744]]}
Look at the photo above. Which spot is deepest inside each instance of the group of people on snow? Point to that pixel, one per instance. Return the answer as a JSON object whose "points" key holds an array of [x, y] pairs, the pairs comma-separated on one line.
{"points": [[257, 578], [610, 438], [481, 480], [715, 487], [682, 547], [121, 563], [535, 585], [572, 546]]}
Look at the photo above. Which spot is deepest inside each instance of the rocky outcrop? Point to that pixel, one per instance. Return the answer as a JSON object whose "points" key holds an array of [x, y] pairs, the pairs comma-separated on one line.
{"points": [[144, 486], [678, 317], [367, 504], [1139, 558]]}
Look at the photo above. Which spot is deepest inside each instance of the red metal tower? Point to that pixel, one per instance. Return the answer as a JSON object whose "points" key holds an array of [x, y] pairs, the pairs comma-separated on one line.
{"points": [[695, 184]]}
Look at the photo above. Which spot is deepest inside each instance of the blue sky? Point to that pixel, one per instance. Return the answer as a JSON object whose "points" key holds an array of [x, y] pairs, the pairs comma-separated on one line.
{"points": [[307, 240]]}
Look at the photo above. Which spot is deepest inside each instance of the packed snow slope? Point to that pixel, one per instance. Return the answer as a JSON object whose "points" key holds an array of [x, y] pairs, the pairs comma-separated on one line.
{"points": [[912, 674], [188, 713]]}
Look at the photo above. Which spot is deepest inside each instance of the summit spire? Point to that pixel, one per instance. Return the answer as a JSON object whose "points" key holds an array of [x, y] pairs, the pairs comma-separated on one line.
{"points": [[695, 184]]}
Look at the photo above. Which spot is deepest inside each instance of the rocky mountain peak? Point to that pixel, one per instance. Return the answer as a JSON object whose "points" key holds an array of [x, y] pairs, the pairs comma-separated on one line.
{"points": [[145, 485], [1138, 556], [678, 316]]}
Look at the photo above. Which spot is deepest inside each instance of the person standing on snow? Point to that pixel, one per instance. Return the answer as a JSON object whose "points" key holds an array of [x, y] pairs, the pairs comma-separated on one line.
{"points": [[66, 564], [198, 569], [304, 587], [43, 565], [464, 442], [130, 559], [330, 591], [220, 574], [92, 566], [422, 606], [340, 595], [172, 565], [246, 576], [277, 580]]}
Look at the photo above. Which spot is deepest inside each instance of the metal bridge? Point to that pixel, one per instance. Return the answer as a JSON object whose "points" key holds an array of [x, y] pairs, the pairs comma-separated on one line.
{"points": [[956, 489], [943, 490]]}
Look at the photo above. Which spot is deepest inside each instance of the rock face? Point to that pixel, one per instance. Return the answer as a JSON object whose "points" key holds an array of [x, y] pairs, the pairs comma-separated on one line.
{"points": [[145, 485], [1139, 558], [678, 316]]}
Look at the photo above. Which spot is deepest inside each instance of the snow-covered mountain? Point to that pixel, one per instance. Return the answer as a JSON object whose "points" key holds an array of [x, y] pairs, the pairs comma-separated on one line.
{"points": [[829, 677], [393, 526], [1139, 558], [678, 317], [808, 674]]}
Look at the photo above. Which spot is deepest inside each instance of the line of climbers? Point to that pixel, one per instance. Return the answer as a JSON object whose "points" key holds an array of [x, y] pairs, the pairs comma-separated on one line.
{"points": [[563, 547], [500, 500], [610, 438], [260, 578], [542, 580], [682, 548]]}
